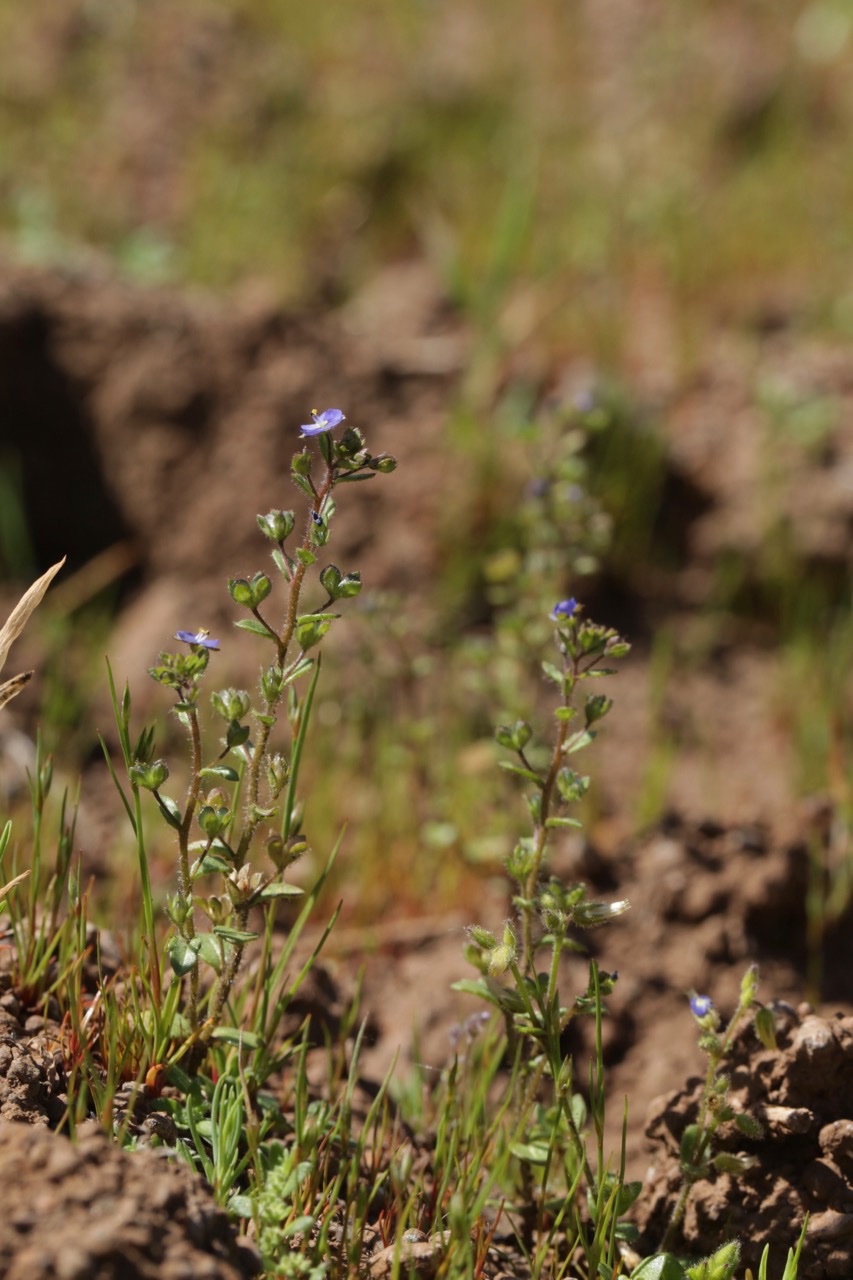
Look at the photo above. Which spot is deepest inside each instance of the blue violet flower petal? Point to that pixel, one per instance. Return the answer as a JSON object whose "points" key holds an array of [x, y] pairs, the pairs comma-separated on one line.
{"points": [[564, 610], [701, 1006], [197, 637], [325, 421]]}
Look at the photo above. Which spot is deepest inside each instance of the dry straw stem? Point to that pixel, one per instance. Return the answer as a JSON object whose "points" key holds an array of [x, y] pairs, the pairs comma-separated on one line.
{"points": [[12, 883], [15, 624]]}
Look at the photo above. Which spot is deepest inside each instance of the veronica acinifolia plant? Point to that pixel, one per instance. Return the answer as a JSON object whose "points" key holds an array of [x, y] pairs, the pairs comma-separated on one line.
{"points": [[242, 790]]}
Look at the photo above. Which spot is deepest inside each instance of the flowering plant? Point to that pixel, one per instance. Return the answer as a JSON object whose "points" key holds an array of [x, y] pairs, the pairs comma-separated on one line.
{"points": [[243, 791]]}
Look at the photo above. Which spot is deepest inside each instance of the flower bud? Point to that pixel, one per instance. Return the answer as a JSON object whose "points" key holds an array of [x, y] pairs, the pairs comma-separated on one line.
{"points": [[231, 704], [349, 586], [514, 737], [383, 463], [272, 683], [350, 444], [283, 853], [278, 772], [589, 915], [503, 955], [330, 578], [178, 908], [500, 959], [483, 937], [700, 1006], [319, 530], [722, 1264], [519, 864], [150, 776], [276, 525], [218, 907], [310, 630], [245, 882], [749, 986], [214, 822], [241, 591], [596, 706]]}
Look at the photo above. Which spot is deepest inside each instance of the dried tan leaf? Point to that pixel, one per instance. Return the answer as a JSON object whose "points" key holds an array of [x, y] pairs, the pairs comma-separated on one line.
{"points": [[11, 688], [19, 616], [6, 887]]}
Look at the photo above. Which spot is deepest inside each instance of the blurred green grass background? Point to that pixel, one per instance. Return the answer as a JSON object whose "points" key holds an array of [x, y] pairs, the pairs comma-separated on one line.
{"points": [[553, 160]]}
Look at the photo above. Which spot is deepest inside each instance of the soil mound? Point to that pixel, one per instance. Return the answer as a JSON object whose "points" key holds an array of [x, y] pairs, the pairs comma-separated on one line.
{"points": [[802, 1094], [90, 1211]]}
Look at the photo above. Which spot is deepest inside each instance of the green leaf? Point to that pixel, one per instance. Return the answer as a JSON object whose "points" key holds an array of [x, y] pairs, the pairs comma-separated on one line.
{"points": [[299, 1226], [765, 1027], [170, 811], [562, 822], [663, 1266], [183, 956], [565, 713], [628, 1194], [237, 936], [304, 556], [749, 1126], [478, 987], [233, 1035], [220, 771], [278, 889], [252, 624], [522, 773], [209, 952], [507, 999], [532, 1152], [209, 865], [690, 1140]]}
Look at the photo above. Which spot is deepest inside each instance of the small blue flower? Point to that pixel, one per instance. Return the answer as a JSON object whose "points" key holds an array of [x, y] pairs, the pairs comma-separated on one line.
{"points": [[564, 610], [701, 1006], [324, 421], [197, 638]]}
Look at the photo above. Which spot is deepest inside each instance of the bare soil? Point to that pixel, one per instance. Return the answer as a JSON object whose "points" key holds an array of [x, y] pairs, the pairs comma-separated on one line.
{"points": [[147, 422]]}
